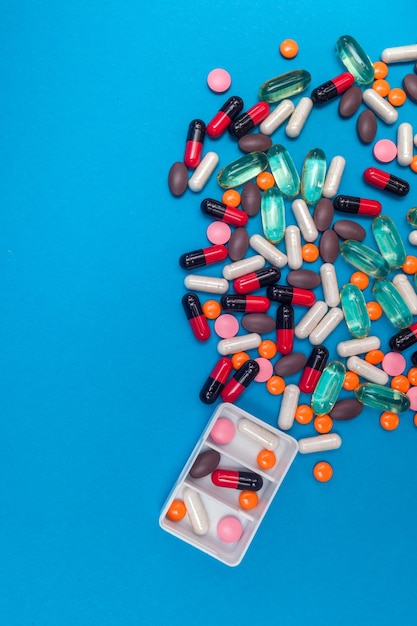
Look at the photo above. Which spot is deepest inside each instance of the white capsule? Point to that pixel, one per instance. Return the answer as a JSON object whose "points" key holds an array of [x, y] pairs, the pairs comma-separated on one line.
{"points": [[258, 434], [309, 321], [196, 512], [400, 54], [304, 220], [404, 143], [239, 343], [415, 139], [299, 117], [352, 347], [268, 251], [203, 171], [367, 370], [326, 326], [277, 117], [334, 176], [407, 291], [330, 284], [293, 247], [288, 407], [412, 237], [331, 441], [207, 284], [245, 266], [381, 107]]}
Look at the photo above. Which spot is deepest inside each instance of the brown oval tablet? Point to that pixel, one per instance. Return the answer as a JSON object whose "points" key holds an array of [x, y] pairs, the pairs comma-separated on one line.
{"points": [[410, 86], [178, 178], [323, 214], [250, 199], [305, 279], [255, 143], [290, 364], [350, 101], [346, 229], [346, 409], [205, 463], [329, 246], [366, 126], [238, 244], [258, 323]]}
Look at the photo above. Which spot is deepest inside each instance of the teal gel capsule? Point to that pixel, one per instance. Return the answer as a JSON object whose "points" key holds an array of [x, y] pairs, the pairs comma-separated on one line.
{"points": [[412, 217], [328, 388], [383, 398], [354, 308], [283, 170], [284, 86], [389, 240], [355, 59], [242, 170], [392, 303], [313, 176], [273, 214], [364, 258]]}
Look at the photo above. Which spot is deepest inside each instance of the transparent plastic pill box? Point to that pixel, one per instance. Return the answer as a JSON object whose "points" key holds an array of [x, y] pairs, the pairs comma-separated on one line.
{"points": [[240, 455]]}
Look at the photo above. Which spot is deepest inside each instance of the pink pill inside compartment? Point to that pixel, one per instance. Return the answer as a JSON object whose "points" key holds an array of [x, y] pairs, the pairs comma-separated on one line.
{"points": [[226, 326], [393, 363], [229, 529], [385, 150], [412, 396], [266, 370], [219, 80], [223, 431], [218, 233]]}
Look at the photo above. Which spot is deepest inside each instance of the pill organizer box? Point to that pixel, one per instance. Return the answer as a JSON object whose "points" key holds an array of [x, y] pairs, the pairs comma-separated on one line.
{"points": [[239, 454]]}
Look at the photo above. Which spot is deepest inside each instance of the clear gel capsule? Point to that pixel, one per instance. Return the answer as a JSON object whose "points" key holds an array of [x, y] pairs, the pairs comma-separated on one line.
{"points": [[412, 217], [242, 170], [283, 170], [355, 59], [284, 86], [288, 407], [389, 240], [382, 398], [364, 258], [355, 311], [392, 303], [273, 214], [277, 117], [304, 220], [313, 176], [328, 388], [268, 251]]}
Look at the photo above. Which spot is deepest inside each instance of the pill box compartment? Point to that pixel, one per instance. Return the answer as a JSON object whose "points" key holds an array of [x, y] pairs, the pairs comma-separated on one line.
{"points": [[219, 502]]}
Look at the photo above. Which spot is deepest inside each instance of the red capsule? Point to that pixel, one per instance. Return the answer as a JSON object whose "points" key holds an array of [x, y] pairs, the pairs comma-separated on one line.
{"points": [[256, 280], [332, 88], [245, 122], [387, 182], [359, 206], [234, 479], [245, 304], [285, 329], [216, 380], [313, 369], [241, 379], [203, 256], [223, 212], [224, 117], [406, 338], [195, 315], [194, 143], [291, 295]]}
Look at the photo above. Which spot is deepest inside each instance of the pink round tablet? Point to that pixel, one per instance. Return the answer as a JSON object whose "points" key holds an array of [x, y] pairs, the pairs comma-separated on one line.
{"points": [[226, 326], [219, 80], [229, 529], [412, 396], [385, 150], [266, 370], [218, 232], [223, 431], [393, 363]]}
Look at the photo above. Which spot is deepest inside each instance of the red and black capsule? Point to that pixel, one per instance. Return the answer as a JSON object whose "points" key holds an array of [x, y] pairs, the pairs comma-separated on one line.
{"points": [[203, 256], [237, 479], [194, 143], [406, 338], [256, 280], [216, 380], [195, 315], [248, 120], [333, 88], [291, 295], [223, 212], [245, 304], [414, 359], [240, 380], [359, 206], [313, 368], [285, 329], [387, 182], [224, 117]]}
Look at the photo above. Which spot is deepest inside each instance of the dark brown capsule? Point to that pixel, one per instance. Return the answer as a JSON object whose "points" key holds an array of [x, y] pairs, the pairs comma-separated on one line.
{"points": [[238, 244], [250, 199], [290, 364], [350, 101], [329, 246], [346, 409], [205, 464], [323, 214], [255, 143], [366, 126], [258, 323], [305, 279], [347, 229], [410, 86], [178, 178]]}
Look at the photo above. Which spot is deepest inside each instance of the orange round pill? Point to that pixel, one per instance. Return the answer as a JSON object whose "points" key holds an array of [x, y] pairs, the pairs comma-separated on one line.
{"points": [[397, 97], [412, 376], [288, 48], [176, 511], [239, 358], [211, 309], [374, 356], [380, 70], [266, 459], [265, 180], [248, 500], [400, 383], [310, 252], [374, 310], [275, 385], [382, 87], [351, 381], [360, 279], [231, 197], [303, 414], [415, 419], [267, 349], [389, 421], [413, 164], [410, 264], [323, 424], [323, 471]]}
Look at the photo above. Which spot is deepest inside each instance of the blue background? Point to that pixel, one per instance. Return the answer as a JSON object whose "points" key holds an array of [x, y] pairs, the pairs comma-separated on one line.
{"points": [[100, 375]]}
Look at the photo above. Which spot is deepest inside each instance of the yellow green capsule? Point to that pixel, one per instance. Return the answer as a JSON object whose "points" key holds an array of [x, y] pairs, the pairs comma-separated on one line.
{"points": [[392, 303], [355, 59], [313, 176], [242, 170], [328, 388], [364, 258], [354, 308], [284, 86], [283, 170], [412, 217], [273, 214], [389, 240], [382, 398]]}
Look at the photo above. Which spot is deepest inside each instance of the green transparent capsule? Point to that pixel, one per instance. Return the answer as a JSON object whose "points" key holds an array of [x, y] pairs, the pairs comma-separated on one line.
{"points": [[412, 216], [383, 398], [273, 214], [354, 308], [392, 303], [283, 170], [241, 171], [364, 258], [328, 388], [313, 175], [284, 86], [389, 240], [355, 59]]}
